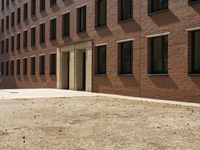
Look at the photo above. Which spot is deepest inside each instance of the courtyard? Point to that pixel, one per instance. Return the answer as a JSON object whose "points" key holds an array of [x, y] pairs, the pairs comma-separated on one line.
{"points": [[68, 120]]}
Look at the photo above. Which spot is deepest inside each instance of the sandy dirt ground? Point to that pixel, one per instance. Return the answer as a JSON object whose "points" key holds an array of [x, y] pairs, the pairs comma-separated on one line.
{"points": [[97, 123]]}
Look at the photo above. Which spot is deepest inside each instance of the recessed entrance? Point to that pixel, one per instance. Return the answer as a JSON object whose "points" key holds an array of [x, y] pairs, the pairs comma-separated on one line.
{"points": [[74, 65]]}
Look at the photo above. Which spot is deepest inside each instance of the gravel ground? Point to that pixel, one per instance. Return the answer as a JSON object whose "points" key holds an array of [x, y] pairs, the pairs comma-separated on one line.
{"points": [[97, 123]]}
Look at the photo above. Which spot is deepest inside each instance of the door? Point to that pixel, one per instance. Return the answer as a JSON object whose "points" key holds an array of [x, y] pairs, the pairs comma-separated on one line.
{"points": [[84, 71]]}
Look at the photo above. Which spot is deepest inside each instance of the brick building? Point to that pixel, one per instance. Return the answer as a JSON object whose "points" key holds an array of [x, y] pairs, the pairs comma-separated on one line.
{"points": [[145, 48]]}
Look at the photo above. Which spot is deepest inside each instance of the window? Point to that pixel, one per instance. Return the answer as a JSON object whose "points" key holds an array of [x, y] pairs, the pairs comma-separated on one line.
{"points": [[32, 65], [2, 47], [18, 67], [25, 66], [18, 16], [25, 39], [42, 5], [33, 7], [42, 65], [52, 2], [18, 41], [66, 24], [42, 33], [12, 19], [25, 11], [81, 19], [2, 25], [2, 5], [101, 13], [126, 57], [53, 29], [12, 67], [12, 43], [53, 64], [125, 9], [101, 59], [7, 22], [7, 45], [33, 36], [196, 52], [7, 3], [7, 68], [158, 5], [2, 68], [159, 55]]}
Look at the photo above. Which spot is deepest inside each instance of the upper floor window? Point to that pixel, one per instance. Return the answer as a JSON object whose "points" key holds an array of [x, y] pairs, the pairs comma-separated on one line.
{"points": [[2, 69], [25, 39], [2, 46], [12, 43], [66, 24], [53, 29], [126, 57], [125, 9], [159, 55], [18, 41], [2, 5], [157, 5], [7, 22], [12, 19], [42, 33], [196, 51], [25, 11], [81, 16], [33, 36], [7, 45], [18, 16], [52, 2], [42, 5], [2, 25], [7, 3], [101, 13], [101, 59], [33, 7]]}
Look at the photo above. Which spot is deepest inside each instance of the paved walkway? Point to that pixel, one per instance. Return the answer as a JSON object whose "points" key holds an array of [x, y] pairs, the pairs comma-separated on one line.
{"points": [[56, 93]]}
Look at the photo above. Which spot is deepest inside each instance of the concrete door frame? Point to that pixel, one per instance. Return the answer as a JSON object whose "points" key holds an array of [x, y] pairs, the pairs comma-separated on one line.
{"points": [[74, 82]]}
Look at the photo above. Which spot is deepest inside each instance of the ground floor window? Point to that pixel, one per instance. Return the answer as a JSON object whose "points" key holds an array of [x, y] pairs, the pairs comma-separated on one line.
{"points": [[125, 57], [18, 67], [159, 55], [196, 51], [101, 59], [32, 65], [53, 64], [25, 66], [42, 65]]}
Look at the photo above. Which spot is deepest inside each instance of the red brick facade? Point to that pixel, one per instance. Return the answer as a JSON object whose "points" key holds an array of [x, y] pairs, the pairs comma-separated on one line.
{"points": [[177, 85]]}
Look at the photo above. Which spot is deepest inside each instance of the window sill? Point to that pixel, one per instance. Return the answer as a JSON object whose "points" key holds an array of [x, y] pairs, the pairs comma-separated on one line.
{"points": [[126, 75], [159, 11], [165, 74], [193, 3], [194, 74], [100, 27], [101, 75], [125, 20]]}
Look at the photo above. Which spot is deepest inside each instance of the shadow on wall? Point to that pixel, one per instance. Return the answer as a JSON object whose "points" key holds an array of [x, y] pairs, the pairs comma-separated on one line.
{"points": [[130, 26], [103, 32], [196, 80], [196, 8], [164, 82], [129, 81], [170, 18], [68, 2]]}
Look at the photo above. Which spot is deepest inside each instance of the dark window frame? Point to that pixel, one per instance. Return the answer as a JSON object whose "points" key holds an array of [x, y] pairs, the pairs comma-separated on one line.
{"points": [[25, 66], [160, 6], [42, 32], [42, 65], [66, 25], [18, 65], [53, 29], [53, 67], [122, 11], [33, 36], [25, 37], [33, 66]]}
